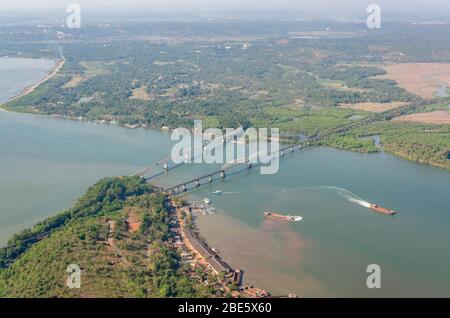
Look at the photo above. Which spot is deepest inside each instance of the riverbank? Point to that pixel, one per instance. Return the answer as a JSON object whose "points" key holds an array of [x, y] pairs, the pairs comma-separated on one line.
{"points": [[359, 149], [260, 252], [196, 251], [27, 90], [403, 155], [350, 144]]}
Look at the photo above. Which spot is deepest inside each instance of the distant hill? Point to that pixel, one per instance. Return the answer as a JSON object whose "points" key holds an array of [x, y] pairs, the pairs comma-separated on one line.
{"points": [[117, 234]]}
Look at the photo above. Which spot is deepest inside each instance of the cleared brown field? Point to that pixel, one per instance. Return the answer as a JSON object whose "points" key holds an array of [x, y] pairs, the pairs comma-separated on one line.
{"points": [[373, 107], [74, 82], [436, 117], [140, 93], [422, 79], [91, 69]]}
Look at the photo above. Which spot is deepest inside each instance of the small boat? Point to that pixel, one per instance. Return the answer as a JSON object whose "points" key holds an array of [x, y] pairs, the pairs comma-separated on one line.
{"points": [[294, 218], [207, 201], [276, 216], [217, 192]]}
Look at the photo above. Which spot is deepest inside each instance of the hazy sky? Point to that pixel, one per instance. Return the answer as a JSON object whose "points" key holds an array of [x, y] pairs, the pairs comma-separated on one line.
{"points": [[229, 4], [326, 6]]}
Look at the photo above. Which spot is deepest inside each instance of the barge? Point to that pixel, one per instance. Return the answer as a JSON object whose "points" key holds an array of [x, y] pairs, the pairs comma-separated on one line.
{"points": [[276, 216], [379, 209]]}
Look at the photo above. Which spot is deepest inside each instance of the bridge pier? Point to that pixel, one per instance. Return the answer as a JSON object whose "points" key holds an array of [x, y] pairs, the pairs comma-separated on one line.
{"points": [[165, 168], [249, 165], [222, 174], [210, 179], [197, 183], [183, 188], [281, 153]]}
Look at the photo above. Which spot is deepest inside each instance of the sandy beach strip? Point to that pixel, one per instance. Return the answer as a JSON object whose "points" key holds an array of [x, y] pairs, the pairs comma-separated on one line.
{"points": [[48, 76]]}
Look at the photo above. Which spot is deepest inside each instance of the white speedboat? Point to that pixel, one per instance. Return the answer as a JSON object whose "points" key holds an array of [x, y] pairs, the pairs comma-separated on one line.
{"points": [[294, 218], [217, 192], [207, 201]]}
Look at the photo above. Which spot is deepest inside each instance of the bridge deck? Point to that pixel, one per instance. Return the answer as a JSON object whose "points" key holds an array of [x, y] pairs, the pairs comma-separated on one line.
{"points": [[223, 170]]}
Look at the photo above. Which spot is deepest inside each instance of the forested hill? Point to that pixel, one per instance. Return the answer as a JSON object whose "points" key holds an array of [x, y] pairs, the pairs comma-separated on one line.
{"points": [[117, 233]]}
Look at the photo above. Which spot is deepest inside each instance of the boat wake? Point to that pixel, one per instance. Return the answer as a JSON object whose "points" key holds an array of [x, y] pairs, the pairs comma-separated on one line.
{"points": [[350, 196], [343, 193]]}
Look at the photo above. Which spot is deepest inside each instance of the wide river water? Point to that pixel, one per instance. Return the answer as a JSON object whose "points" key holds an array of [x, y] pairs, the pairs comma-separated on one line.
{"points": [[45, 164]]}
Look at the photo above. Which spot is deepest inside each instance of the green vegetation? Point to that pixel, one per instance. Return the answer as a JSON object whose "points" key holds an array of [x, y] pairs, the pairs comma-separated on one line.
{"points": [[226, 82], [422, 143], [351, 142], [106, 196], [309, 121], [114, 261]]}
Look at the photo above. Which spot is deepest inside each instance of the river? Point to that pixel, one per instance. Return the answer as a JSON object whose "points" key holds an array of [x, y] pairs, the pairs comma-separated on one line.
{"points": [[45, 164]]}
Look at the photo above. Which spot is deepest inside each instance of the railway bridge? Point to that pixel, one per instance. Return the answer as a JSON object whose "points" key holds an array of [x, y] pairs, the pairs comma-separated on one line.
{"points": [[167, 163], [222, 172]]}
